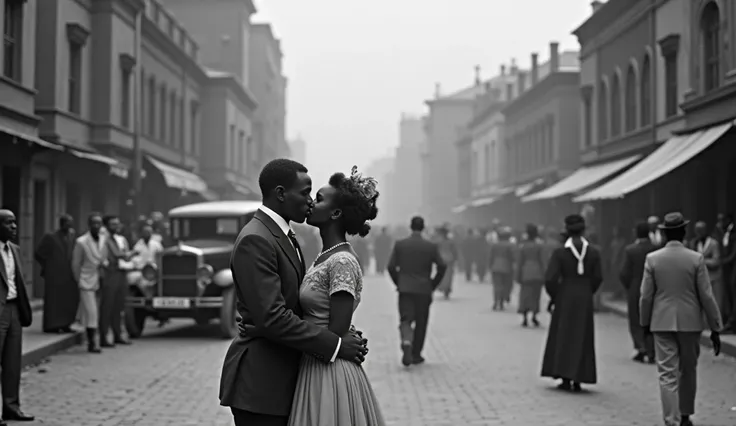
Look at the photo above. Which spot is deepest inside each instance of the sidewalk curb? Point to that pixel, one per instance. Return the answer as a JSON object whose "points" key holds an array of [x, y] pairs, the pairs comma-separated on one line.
{"points": [[36, 355], [727, 348]]}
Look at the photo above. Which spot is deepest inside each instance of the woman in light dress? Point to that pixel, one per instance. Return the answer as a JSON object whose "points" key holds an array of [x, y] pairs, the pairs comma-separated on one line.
{"points": [[338, 393]]}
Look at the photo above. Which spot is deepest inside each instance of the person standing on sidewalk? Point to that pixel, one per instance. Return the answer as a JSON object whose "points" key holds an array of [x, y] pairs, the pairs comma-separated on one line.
{"points": [[410, 268], [675, 292], [15, 313], [630, 275], [115, 289], [501, 261]]}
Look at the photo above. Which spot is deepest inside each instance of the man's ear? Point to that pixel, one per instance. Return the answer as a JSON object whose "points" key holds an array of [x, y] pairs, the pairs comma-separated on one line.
{"points": [[280, 192]]}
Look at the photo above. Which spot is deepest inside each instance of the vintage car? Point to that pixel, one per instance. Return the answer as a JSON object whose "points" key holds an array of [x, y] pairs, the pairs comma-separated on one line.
{"points": [[192, 279]]}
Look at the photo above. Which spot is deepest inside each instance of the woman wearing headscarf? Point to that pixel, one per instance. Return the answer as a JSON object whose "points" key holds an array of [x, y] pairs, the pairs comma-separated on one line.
{"points": [[501, 259], [530, 274], [573, 276]]}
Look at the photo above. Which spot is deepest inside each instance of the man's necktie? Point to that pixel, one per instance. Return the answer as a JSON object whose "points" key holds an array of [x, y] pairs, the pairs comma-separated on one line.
{"points": [[295, 242]]}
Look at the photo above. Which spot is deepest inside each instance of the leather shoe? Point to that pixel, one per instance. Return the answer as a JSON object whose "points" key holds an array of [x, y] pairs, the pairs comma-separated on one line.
{"points": [[417, 360], [17, 416]]}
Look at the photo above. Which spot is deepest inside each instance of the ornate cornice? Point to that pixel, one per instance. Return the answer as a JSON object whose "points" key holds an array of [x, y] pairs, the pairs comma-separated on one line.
{"points": [[127, 62], [670, 45], [77, 34]]}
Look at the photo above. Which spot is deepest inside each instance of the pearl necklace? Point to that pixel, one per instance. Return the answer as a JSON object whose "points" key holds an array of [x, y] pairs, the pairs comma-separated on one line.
{"points": [[333, 248]]}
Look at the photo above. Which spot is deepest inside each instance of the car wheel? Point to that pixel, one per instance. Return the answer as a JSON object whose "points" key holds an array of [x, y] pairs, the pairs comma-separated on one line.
{"points": [[135, 322], [228, 325]]}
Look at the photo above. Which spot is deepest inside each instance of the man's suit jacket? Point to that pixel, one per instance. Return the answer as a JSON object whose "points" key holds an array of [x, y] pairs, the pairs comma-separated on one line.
{"points": [[632, 269], [410, 265], [260, 370], [88, 259], [712, 256], [676, 290], [25, 315]]}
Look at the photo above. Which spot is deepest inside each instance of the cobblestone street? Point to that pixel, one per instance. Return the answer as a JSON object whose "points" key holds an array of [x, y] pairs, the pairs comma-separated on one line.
{"points": [[482, 369]]}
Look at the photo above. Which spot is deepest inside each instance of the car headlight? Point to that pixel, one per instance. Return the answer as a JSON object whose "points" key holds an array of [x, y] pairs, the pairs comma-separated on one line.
{"points": [[223, 278], [150, 272], [205, 273]]}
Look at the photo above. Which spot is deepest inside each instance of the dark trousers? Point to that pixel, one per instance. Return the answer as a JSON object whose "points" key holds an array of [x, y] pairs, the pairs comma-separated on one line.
{"points": [[468, 270], [413, 319], [247, 418], [11, 343], [112, 303]]}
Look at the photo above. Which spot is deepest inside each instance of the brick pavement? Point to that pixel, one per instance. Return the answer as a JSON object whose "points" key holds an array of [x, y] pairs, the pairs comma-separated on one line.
{"points": [[482, 369]]}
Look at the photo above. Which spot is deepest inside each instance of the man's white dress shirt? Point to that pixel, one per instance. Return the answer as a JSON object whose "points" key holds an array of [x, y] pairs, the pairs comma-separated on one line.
{"points": [[9, 261]]}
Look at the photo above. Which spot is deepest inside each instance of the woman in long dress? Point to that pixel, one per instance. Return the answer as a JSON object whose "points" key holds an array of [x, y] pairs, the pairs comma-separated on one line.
{"points": [[573, 276], [338, 393], [530, 275]]}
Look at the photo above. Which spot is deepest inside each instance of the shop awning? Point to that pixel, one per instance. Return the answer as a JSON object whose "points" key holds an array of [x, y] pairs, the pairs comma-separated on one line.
{"points": [[582, 178], [526, 188], [672, 154], [92, 156], [179, 178], [30, 138], [480, 202], [459, 209]]}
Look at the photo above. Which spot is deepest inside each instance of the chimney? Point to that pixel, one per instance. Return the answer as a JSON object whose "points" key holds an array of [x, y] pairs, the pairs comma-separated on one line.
{"points": [[596, 5], [503, 70], [436, 90], [522, 81], [477, 75], [554, 56], [514, 69], [509, 91], [535, 68]]}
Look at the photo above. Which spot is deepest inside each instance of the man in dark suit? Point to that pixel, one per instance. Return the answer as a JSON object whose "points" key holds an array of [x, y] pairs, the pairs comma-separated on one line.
{"points": [[261, 366], [631, 273], [15, 313], [410, 268]]}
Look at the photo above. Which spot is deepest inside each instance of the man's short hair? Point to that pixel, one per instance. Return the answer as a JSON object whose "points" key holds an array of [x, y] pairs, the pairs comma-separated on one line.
{"points": [[94, 215], [279, 172], [417, 223], [107, 219]]}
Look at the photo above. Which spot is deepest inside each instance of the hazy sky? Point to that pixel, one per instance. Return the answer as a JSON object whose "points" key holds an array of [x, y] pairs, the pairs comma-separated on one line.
{"points": [[355, 66]]}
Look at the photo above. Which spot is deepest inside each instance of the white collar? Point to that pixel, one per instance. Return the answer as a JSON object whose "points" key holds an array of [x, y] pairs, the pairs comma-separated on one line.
{"points": [[2, 245], [282, 224], [578, 255]]}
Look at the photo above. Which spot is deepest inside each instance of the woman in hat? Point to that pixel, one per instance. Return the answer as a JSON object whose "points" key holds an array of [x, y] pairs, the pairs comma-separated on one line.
{"points": [[501, 259], [573, 276], [530, 274]]}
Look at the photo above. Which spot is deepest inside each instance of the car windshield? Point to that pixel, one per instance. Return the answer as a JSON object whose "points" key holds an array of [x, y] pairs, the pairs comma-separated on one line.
{"points": [[206, 228]]}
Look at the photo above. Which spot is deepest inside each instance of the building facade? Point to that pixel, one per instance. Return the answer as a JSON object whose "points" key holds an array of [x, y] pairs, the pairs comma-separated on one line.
{"points": [[298, 148], [407, 171]]}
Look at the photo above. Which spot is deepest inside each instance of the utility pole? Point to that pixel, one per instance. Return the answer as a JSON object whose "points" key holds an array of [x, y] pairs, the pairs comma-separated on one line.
{"points": [[137, 118]]}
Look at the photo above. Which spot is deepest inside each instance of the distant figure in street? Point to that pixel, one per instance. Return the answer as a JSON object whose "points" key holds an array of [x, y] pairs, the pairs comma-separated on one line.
{"points": [[60, 291], [530, 275], [710, 249], [467, 252], [410, 268], [448, 252], [481, 250], [655, 235], [675, 293], [630, 276], [15, 313], [89, 259], [728, 266], [501, 260], [573, 276], [382, 250]]}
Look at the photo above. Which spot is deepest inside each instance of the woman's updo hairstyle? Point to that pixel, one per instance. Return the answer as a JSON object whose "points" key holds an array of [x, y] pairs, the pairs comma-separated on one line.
{"points": [[356, 197]]}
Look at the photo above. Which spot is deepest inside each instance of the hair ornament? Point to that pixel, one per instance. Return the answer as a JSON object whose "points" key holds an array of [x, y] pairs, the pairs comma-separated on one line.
{"points": [[365, 185]]}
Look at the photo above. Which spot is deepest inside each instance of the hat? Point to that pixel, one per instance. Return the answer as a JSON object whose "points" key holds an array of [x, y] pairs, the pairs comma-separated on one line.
{"points": [[574, 223], [674, 220]]}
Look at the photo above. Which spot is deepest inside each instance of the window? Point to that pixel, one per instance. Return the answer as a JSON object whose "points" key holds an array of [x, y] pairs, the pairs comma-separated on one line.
{"points": [[587, 94], [493, 159], [630, 99], [615, 106], [670, 82], [231, 148], [194, 128], [487, 177], [602, 112], [645, 106], [173, 122], [75, 78], [711, 30], [127, 64], [152, 107], [243, 155], [163, 129], [12, 34]]}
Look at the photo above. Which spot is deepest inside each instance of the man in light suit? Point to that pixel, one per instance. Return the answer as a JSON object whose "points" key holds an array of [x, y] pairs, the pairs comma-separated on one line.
{"points": [[675, 292], [88, 260]]}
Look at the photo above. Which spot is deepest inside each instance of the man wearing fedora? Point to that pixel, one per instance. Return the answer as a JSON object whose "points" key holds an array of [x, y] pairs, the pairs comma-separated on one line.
{"points": [[675, 292]]}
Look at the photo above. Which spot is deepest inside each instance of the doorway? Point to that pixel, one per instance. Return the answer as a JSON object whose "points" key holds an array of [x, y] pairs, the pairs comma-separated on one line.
{"points": [[40, 228]]}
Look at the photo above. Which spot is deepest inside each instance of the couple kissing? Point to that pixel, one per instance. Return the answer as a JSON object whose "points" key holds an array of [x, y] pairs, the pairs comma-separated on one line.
{"points": [[297, 359]]}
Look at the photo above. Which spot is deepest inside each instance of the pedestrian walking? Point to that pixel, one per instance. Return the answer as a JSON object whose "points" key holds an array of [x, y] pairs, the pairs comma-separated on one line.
{"points": [[60, 291], [448, 252], [114, 290], [530, 275], [710, 249], [573, 276], [467, 252], [15, 314], [630, 276], [675, 295], [89, 259], [501, 261], [410, 267]]}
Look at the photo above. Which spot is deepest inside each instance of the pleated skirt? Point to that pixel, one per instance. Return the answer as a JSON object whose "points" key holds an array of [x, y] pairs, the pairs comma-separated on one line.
{"points": [[334, 394]]}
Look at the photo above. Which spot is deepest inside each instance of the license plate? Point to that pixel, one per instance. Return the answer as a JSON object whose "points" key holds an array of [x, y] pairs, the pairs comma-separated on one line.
{"points": [[171, 302]]}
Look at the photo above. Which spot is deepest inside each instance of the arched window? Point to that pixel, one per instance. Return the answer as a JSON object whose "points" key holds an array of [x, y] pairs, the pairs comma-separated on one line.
{"points": [[602, 112], [615, 106], [630, 99], [646, 92], [711, 30]]}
